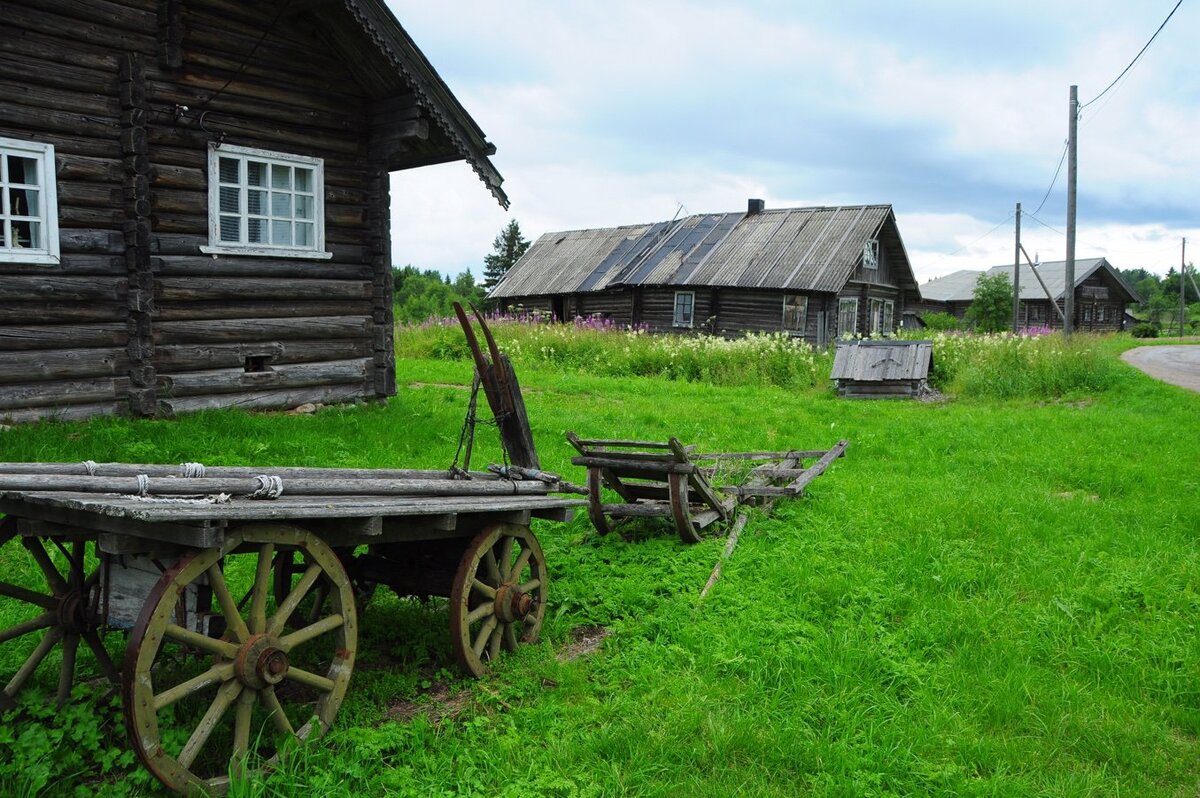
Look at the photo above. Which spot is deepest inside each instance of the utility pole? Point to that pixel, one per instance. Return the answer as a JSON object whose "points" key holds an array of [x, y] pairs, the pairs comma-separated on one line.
{"points": [[1017, 276], [1072, 164], [1182, 273]]}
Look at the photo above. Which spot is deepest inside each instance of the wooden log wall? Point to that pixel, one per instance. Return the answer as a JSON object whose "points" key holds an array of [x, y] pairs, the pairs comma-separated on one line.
{"points": [[135, 319], [613, 305], [657, 308], [63, 328]]}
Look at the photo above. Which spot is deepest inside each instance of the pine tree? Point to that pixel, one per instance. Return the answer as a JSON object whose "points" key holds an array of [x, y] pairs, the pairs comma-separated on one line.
{"points": [[507, 249]]}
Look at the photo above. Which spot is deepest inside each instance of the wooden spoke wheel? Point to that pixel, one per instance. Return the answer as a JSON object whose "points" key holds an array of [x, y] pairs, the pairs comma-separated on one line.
{"points": [[290, 566], [255, 687], [498, 598], [64, 612]]}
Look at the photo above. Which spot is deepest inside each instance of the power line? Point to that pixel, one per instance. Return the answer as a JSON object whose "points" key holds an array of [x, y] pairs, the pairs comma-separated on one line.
{"points": [[973, 243], [1053, 180], [1135, 58]]}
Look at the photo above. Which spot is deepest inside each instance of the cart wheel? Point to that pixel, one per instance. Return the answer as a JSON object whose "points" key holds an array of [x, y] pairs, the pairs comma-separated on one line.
{"points": [[498, 598], [65, 611], [680, 510], [279, 686]]}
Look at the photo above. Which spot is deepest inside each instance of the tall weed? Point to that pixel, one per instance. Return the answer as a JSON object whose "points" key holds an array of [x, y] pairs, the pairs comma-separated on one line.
{"points": [[601, 349]]}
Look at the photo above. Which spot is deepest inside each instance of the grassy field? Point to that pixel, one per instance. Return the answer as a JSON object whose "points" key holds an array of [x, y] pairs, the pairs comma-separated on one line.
{"points": [[987, 596]]}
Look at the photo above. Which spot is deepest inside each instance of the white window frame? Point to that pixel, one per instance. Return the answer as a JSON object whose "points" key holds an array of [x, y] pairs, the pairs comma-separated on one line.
{"points": [[243, 154], [843, 306], [676, 319], [870, 254], [803, 309], [882, 315], [47, 211]]}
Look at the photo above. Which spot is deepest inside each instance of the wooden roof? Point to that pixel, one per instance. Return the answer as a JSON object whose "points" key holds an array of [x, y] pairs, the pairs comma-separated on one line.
{"points": [[959, 286], [882, 361], [388, 63], [799, 249]]}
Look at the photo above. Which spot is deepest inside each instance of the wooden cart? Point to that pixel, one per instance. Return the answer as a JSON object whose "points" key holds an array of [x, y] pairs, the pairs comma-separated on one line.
{"points": [[238, 588], [656, 479], [241, 613]]}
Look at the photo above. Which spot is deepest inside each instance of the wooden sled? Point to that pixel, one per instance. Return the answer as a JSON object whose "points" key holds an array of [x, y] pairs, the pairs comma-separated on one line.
{"points": [[658, 480]]}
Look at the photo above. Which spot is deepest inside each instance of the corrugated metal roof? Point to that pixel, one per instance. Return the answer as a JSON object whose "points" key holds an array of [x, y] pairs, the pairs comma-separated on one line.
{"points": [[801, 249], [880, 361], [960, 286]]}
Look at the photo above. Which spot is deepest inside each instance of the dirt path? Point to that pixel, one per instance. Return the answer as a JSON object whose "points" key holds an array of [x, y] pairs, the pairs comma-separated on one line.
{"points": [[1178, 365]]}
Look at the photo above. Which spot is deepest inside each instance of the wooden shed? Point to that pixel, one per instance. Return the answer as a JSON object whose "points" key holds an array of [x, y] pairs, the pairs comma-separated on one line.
{"points": [[813, 273], [882, 369], [196, 200]]}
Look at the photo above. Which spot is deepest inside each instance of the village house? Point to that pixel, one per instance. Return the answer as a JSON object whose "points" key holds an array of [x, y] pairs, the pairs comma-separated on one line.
{"points": [[816, 273], [196, 200], [1101, 295]]}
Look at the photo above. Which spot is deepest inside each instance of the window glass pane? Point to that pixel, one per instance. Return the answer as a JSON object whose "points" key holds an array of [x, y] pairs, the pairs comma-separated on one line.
{"points": [[230, 230], [230, 200], [256, 202], [281, 204], [304, 235], [23, 202], [3, 240], [22, 170], [229, 170], [256, 173], [281, 233], [256, 231], [281, 176], [304, 207], [23, 234], [304, 181]]}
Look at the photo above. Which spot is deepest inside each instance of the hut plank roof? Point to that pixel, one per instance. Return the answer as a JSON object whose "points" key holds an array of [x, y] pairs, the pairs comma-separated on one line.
{"points": [[797, 249]]}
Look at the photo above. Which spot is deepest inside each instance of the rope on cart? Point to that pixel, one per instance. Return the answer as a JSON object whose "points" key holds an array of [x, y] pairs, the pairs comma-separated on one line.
{"points": [[192, 470], [269, 487]]}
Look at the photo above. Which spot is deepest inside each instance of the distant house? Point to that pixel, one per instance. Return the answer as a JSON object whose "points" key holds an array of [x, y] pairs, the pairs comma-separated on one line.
{"points": [[195, 201], [1101, 295], [815, 273]]}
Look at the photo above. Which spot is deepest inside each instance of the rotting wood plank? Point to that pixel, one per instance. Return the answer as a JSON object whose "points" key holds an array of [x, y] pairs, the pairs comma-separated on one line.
{"points": [[619, 466], [818, 468], [170, 486], [201, 533]]}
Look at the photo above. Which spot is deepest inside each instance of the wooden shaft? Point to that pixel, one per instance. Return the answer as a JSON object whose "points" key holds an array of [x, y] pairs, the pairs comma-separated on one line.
{"points": [[171, 486]]}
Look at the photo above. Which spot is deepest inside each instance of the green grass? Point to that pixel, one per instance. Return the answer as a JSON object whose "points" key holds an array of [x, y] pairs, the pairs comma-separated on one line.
{"points": [[987, 596]]}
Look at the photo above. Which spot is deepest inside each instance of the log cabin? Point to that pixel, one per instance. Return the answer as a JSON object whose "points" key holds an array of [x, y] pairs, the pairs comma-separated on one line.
{"points": [[1101, 294], [816, 273], [196, 200]]}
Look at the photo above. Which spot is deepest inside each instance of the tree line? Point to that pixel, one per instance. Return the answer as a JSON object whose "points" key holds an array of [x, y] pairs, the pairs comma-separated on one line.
{"points": [[419, 294]]}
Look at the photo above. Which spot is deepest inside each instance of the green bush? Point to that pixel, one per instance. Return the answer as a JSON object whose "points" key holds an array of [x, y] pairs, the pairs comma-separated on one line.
{"points": [[939, 322], [1144, 330]]}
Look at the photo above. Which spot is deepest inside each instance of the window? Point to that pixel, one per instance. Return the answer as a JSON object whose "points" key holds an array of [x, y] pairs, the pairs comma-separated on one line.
{"points": [[795, 313], [847, 316], [882, 311], [871, 254], [1100, 313], [28, 203], [265, 203], [685, 308]]}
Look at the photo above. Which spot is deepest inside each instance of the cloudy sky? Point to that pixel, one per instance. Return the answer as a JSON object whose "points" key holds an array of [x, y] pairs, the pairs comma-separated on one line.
{"points": [[621, 111]]}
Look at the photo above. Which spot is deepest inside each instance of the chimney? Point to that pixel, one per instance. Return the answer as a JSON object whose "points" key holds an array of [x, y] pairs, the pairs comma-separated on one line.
{"points": [[755, 206]]}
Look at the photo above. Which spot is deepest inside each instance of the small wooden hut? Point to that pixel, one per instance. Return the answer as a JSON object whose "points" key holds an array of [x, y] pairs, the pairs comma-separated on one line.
{"points": [[195, 206], [882, 369]]}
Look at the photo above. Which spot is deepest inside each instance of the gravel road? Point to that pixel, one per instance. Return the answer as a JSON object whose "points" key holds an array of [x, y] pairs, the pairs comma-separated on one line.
{"points": [[1178, 365]]}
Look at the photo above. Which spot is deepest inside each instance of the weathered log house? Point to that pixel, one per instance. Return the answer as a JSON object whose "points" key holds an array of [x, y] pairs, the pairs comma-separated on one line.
{"points": [[815, 273], [196, 200], [1101, 295]]}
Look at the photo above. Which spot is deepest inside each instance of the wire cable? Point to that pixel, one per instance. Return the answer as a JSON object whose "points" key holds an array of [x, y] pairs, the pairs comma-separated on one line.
{"points": [[973, 243], [1135, 58], [270, 29], [1054, 179]]}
